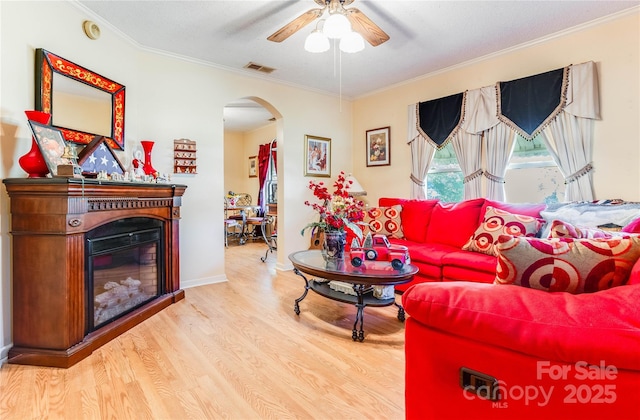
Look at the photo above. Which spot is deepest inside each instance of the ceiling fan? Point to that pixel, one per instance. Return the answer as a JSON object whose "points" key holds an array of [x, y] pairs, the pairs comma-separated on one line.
{"points": [[359, 22]]}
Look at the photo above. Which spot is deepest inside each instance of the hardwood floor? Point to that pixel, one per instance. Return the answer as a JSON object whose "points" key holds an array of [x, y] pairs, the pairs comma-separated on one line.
{"points": [[233, 350]]}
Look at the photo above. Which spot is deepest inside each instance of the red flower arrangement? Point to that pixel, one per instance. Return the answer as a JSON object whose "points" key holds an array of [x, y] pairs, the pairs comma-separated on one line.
{"points": [[339, 211]]}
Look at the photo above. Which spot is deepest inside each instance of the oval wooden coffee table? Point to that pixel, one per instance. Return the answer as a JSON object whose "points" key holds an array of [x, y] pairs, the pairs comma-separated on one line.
{"points": [[312, 263]]}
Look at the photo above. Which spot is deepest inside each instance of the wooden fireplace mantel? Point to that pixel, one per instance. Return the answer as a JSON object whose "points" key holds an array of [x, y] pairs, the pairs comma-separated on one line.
{"points": [[49, 220]]}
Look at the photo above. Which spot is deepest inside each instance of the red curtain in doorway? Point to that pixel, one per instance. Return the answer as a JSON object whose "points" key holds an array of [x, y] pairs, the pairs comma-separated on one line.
{"points": [[263, 167]]}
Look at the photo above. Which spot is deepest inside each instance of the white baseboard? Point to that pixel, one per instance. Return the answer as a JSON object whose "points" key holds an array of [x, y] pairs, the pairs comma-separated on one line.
{"points": [[201, 282], [4, 354]]}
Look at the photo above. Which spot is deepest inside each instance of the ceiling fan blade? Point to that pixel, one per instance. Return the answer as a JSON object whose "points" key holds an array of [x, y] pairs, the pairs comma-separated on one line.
{"points": [[295, 25], [365, 27]]}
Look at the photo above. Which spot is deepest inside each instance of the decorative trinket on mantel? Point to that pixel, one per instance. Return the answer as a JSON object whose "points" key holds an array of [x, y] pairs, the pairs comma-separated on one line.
{"points": [[69, 170]]}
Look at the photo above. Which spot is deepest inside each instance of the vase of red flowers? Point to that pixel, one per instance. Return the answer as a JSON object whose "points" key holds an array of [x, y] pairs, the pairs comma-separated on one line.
{"points": [[339, 213], [334, 244]]}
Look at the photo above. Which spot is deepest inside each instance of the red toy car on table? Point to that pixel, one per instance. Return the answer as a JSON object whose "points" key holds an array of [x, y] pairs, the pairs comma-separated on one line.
{"points": [[378, 253]]}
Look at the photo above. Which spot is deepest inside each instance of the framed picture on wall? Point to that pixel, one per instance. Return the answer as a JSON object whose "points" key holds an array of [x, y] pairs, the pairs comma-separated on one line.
{"points": [[253, 166], [317, 156], [379, 147]]}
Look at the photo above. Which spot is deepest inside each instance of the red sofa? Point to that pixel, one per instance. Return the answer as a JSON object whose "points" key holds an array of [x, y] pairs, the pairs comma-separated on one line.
{"points": [[547, 355], [435, 233], [501, 351]]}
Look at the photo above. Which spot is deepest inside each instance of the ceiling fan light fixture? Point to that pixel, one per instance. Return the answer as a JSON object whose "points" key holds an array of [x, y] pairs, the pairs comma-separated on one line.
{"points": [[336, 26], [316, 42], [352, 43]]}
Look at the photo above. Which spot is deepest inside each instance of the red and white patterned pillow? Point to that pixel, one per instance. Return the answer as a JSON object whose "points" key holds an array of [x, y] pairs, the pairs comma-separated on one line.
{"points": [[566, 265], [561, 229], [498, 222], [383, 221]]}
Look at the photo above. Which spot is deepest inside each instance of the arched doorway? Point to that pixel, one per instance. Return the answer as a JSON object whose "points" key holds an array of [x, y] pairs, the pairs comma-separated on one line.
{"points": [[249, 123]]}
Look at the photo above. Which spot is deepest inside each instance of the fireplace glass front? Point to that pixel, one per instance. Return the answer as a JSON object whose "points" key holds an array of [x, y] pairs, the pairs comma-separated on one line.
{"points": [[124, 268]]}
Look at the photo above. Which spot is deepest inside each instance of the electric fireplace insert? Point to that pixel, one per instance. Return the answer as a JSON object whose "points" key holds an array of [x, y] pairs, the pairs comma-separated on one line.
{"points": [[124, 261]]}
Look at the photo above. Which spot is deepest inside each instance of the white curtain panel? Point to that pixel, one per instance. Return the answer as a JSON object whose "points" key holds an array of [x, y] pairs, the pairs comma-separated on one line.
{"points": [[468, 149], [569, 140], [500, 141], [421, 155]]}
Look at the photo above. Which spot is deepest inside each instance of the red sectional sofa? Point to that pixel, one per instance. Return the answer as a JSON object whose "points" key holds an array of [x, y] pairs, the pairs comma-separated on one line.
{"points": [[475, 349], [435, 233], [549, 355]]}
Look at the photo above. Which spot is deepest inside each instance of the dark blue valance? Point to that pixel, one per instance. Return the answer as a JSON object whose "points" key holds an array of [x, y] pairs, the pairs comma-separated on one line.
{"points": [[528, 104], [438, 120]]}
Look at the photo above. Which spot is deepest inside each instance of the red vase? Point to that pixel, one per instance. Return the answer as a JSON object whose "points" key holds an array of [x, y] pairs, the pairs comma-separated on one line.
{"points": [[33, 163], [148, 169]]}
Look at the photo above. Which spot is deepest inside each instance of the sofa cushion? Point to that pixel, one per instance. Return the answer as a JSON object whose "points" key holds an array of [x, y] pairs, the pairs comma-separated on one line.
{"points": [[550, 326], [569, 265], [384, 221], [525, 209], [469, 266], [561, 229], [498, 222], [415, 216], [453, 223], [467, 274], [425, 252], [392, 201], [472, 260], [633, 226]]}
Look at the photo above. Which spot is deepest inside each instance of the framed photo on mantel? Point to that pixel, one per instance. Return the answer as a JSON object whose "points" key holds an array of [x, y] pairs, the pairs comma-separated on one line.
{"points": [[379, 147], [52, 145]]}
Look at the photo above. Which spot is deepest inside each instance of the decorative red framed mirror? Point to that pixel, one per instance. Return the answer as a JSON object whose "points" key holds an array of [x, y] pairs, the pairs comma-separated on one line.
{"points": [[86, 103]]}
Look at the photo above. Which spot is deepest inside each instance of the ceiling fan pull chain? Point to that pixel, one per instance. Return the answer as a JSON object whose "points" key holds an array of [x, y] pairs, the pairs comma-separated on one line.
{"points": [[340, 78], [335, 59]]}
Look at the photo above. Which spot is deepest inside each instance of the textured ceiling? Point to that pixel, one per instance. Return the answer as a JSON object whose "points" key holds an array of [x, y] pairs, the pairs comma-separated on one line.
{"points": [[425, 36]]}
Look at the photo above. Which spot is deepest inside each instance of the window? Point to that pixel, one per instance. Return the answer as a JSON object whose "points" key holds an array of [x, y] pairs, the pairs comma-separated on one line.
{"points": [[444, 180], [532, 175]]}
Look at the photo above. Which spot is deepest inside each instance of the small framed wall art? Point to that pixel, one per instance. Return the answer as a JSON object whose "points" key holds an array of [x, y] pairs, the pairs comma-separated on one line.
{"points": [[253, 166], [51, 144], [379, 147], [317, 156]]}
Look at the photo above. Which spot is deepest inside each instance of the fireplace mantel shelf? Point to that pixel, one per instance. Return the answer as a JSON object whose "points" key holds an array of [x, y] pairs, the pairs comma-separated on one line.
{"points": [[49, 220]]}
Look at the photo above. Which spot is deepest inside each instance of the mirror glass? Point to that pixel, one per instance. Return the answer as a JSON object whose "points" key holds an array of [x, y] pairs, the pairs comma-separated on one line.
{"points": [[82, 103], [80, 106]]}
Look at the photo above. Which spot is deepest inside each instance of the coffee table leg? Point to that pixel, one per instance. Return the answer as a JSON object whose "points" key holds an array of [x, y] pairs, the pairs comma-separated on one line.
{"points": [[296, 306], [400, 311], [358, 334]]}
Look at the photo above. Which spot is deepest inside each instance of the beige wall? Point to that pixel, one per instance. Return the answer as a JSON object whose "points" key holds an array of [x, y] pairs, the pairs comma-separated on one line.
{"points": [[614, 45], [234, 157], [167, 98], [238, 147]]}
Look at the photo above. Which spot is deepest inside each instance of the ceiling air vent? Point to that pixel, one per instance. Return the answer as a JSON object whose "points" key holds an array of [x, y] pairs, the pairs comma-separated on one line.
{"points": [[259, 67]]}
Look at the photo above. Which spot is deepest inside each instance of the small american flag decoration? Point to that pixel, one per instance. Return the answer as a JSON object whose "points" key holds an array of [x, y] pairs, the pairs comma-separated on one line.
{"points": [[97, 156]]}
